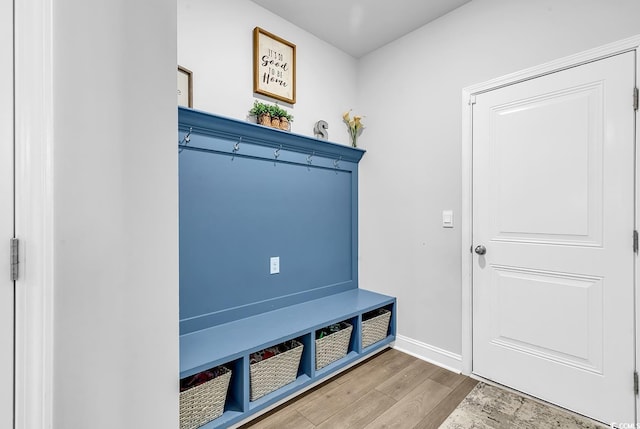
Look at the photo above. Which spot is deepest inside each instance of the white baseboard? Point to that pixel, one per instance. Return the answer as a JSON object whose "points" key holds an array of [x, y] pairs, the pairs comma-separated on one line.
{"points": [[429, 353]]}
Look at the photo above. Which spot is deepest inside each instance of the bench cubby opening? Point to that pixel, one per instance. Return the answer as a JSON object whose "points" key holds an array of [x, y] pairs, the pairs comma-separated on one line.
{"points": [[204, 396], [334, 342], [235, 396], [376, 325], [275, 367]]}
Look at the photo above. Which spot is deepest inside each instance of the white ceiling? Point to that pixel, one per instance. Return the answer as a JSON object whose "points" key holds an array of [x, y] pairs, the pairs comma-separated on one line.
{"points": [[360, 26]]}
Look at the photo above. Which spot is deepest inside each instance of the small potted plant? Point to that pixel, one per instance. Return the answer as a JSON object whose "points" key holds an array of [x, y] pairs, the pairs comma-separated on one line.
{"points": [[274, 111], [261, 112], [271, 115], [285, 119]]}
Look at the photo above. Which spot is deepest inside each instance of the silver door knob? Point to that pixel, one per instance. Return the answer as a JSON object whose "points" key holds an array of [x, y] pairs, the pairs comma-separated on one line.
{"points": [[480, 249]]}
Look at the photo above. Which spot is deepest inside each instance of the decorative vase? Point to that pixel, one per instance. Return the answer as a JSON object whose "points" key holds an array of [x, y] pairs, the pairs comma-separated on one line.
{"points": [[275, 122], [284, 124]]}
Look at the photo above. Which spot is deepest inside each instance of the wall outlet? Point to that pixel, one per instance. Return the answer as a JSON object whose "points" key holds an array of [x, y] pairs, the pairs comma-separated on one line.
{"points": [[274, 265]]}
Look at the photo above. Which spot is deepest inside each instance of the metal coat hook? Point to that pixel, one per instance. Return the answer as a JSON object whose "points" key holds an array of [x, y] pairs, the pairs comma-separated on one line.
{"points": [[336, 163], [236, 148], [185, 140], [276, 153], [309, 160]]}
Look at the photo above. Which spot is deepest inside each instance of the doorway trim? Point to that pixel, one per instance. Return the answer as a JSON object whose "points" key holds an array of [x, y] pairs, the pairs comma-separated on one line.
{"points": [[34, 204], [468, 97]]}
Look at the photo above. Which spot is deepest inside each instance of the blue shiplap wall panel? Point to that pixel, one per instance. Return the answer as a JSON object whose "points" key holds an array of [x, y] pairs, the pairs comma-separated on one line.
{"points": [[239, 208]]}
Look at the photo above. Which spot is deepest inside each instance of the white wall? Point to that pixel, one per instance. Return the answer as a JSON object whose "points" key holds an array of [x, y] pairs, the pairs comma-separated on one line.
{"points": [[215, 43], [115, 187], [115, 208], [410, 91]]}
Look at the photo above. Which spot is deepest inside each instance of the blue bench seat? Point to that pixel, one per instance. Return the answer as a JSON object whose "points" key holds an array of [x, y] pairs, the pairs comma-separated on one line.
{"points": [[231, 344]]}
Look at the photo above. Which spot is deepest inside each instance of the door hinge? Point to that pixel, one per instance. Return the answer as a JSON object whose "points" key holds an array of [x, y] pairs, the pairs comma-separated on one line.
{"points": [[635, 241], [14, 259], [635, 382], [636, 96]]}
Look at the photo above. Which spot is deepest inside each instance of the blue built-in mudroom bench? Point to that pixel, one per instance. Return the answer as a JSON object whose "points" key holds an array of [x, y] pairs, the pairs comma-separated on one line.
{"points": [[268, 254]]}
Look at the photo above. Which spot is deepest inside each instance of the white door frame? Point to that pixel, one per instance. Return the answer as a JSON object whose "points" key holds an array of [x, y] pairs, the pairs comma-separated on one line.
{"points": [[468, 95], [34, 212]]}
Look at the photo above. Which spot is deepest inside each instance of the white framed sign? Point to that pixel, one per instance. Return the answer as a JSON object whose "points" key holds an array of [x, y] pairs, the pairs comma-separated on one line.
{"points": [[274, 66]]}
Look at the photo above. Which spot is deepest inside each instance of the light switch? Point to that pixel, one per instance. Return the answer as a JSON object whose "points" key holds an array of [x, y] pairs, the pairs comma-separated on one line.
{"points": [[274, 265], [447, 218]]}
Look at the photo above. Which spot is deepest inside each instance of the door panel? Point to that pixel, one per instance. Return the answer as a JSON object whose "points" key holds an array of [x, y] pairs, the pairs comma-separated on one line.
{"points": [[553, 203], [531, 170], [519, 297], [6, 213]]}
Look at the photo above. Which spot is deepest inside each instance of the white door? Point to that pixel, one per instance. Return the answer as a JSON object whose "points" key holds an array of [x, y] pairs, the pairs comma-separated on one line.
{"points": [[6, 213], [553, 204]]}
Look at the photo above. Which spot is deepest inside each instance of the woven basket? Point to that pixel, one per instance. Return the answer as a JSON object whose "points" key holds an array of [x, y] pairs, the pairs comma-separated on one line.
{"points": [[273, 373], [375, 329], [201, 404], [333, 347]]}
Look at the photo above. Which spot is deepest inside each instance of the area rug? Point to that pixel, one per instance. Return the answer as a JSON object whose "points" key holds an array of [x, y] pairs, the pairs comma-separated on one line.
{"points": [[489, 407]]}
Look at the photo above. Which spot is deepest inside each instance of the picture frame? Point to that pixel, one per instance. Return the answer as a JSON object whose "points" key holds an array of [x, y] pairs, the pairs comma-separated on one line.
{"points": [[185, 87], [274, 66]]}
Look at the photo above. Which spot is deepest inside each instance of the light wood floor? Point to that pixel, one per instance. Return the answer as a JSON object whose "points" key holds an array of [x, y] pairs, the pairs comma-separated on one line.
{"points": [[390, 390]]}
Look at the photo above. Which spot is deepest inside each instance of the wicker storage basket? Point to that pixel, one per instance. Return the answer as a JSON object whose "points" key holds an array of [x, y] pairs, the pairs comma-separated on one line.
{"points": [[375, 329], [273, 373], [205, 402], [334, 346]]}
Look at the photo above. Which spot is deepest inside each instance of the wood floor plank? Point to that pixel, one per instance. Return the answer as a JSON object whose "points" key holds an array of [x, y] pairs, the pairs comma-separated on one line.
{"points": [[391, 360], [411, 409], [439, 414], [343, 378], [447, 378], [400, 384], [344, 395], [360, 413], [315, 393], [287, 418]]}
